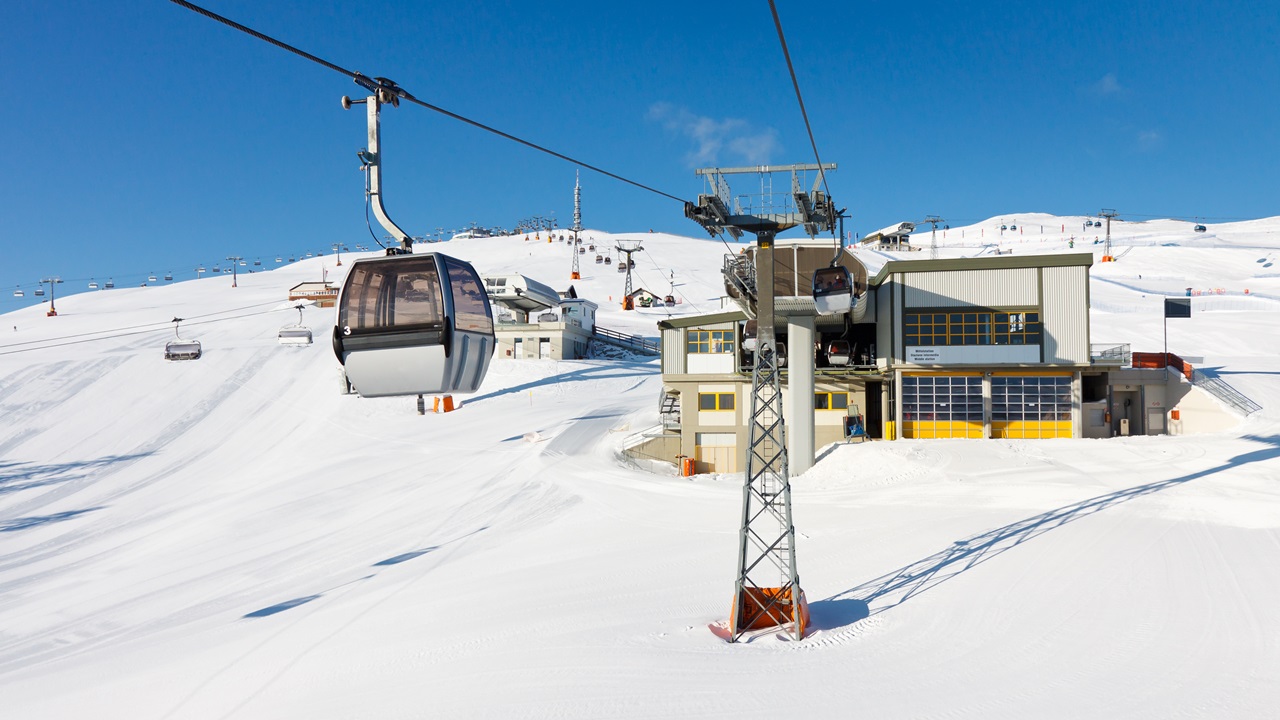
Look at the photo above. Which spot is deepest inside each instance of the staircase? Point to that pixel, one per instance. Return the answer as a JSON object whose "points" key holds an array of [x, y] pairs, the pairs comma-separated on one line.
{"points": [[1219, 388]]}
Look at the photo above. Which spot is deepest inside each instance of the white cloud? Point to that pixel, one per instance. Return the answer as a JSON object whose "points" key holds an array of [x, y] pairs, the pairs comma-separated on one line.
{"points": [[1108, 85], [713, 138]]}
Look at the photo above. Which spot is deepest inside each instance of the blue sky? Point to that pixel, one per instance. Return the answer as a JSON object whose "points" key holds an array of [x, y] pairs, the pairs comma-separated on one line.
{"points": [[145, 138]]}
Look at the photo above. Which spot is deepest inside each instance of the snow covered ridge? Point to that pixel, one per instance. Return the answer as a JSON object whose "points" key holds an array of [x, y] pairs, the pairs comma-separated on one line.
{"points": [[233, 537]]}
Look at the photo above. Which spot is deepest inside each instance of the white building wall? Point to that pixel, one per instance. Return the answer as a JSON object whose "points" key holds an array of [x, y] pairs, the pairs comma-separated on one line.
{"points": [[1014, 287], [673, 351], [1065, 314]]}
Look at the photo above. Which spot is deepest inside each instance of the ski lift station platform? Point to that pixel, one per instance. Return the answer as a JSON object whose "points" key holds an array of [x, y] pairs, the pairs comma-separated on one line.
{"points": [[535, 321], [986, 347]]}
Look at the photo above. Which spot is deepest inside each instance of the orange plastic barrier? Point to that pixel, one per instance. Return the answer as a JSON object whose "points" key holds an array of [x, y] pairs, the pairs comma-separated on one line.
{"points": [[444, 404], [755, 616], [688, 467]]}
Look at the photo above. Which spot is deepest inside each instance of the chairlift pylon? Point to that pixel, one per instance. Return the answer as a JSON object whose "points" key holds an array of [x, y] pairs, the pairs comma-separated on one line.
{"points": [[179, 349], [413, 324]]}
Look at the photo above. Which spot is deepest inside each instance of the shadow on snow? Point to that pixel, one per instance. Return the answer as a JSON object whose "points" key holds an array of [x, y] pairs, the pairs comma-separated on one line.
{"points": [[896, 587]]}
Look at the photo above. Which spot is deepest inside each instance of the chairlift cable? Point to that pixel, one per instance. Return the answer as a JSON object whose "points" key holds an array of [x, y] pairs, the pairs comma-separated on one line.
{"points": [[404, 95], [777, 22]]}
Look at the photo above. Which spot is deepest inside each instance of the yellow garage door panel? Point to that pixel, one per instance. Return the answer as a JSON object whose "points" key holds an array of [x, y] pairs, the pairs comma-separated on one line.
{"points": [[941, 429], [1031, 429]]}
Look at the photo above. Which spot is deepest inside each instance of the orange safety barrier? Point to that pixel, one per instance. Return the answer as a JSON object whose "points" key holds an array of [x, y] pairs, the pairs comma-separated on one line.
{"points": [[1161, 360], [756, 612], [443, 404], [688, 467]]}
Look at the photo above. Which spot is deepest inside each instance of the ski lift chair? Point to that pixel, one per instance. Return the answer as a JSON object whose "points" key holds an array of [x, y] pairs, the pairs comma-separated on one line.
{"points": [[599, 259], [38, 293], [18, 293], [179, 349], [832, 290], [608, 260], [622, 267], [297, 334]]}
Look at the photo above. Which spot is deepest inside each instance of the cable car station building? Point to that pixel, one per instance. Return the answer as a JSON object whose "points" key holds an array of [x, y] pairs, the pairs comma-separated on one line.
{"points": [[990, 347]]}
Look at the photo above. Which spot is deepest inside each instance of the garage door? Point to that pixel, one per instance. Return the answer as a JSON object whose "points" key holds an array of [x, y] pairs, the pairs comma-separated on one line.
{"points": [[1031, 406], [942, 406], [716, 452]]}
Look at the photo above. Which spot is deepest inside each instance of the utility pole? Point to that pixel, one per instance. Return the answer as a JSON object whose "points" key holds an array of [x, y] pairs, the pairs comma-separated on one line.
{"points": [[337, 248], [933, 220], [53, 283], [235, 260], [1106, 245], [767, 590]]}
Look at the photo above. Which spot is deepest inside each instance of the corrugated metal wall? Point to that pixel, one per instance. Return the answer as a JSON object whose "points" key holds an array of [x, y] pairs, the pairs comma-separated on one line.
{"points": [[884, 305], [1066, 314], [673, 351], [1014, 287]]}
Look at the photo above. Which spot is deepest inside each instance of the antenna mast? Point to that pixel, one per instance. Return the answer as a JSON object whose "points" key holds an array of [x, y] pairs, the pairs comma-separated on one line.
{"points": [[575, 274]]}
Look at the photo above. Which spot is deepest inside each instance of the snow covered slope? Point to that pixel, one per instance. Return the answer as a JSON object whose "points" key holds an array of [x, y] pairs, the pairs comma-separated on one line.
{"points": [[233, 538]]}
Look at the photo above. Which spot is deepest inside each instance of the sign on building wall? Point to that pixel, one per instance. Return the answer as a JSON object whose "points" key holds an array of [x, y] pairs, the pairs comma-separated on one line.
{"points": [[924, 355]]}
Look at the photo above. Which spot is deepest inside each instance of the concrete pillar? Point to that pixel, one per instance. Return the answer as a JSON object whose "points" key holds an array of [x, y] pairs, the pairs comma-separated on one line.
{"points": [[800, 415]]}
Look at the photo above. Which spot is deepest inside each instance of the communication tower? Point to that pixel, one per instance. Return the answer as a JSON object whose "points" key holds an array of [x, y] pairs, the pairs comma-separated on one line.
{"points": [[767, 590], [577, 227]]}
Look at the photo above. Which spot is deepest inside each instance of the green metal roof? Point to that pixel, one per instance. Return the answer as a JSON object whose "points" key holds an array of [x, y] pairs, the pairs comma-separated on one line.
{"points": [[695, 320], [989, 262]]}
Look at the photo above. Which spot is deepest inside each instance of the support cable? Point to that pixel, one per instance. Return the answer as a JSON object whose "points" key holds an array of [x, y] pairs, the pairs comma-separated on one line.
{"points": [[777, 22], [365, 82]]}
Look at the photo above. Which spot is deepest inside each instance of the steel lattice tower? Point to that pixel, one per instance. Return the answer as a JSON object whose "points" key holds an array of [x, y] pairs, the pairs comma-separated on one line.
{"points": [[627, 288], [576, 274], [767, 590]]}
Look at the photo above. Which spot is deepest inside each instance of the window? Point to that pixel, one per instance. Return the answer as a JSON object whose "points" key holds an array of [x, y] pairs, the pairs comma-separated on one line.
{"points": [[971, 327], [709, 341], [942, 406], [715, 401], [831, 401], [1030, 407]]}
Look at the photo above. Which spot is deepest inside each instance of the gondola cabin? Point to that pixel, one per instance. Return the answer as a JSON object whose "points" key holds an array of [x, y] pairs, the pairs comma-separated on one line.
{"points": [[413, 325], [832, 290], [838, 353]]}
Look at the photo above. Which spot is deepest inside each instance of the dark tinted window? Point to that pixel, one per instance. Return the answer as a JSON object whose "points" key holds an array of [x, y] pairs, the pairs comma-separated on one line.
{"points": [[470, 304], [395, 293]]}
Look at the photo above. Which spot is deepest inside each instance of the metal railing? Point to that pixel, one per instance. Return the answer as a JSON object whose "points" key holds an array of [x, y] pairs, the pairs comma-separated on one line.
{"points": [[1110, 354], [638, 343], [1220, 389]]}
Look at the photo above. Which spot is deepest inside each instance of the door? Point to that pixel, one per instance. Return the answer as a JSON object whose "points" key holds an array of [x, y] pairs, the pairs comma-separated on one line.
{"points": [[518, 352], [544, 348], [874, 418], [716, 452]]}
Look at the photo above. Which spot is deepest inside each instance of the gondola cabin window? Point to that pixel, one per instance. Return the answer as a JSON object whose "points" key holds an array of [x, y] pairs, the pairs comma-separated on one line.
{"points": [[470, 304], [404, 294]]}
